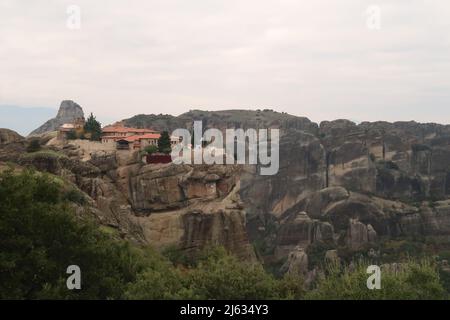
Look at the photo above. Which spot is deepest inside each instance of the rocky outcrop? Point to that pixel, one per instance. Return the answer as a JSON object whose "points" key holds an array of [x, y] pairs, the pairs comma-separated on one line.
{"points": [[405, 161], [368, 181], [187, 207], [302, 171], [297, 262], [357, 221], [332, 256], [68, 112], [359, 234], [341, 186], [299, 231], [9, 136]]}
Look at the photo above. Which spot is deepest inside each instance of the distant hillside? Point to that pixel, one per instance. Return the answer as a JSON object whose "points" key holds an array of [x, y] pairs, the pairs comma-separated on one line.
{"points": [[224, 119], [24, 119]]}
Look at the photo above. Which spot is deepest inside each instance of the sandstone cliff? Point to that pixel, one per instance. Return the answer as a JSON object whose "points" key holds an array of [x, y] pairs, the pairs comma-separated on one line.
{"points": [[166, 206], [350, 185], [342, 188]]}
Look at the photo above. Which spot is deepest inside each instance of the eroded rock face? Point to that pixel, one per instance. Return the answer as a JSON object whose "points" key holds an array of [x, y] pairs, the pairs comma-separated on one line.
{"points": [[154, 188], [189, 206], [68, 112], [193, 229], [352, 182], [358, 234], [342, 184], [366, 181], [299, 231], [403, 160], [302, 171], [356, 221], [182, 206]]}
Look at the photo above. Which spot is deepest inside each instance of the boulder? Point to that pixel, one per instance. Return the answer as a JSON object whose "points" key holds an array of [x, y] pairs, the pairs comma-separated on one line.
{"points": [[297, 262], [331, 256], [357, 234], [9, 136], [300, 230]]}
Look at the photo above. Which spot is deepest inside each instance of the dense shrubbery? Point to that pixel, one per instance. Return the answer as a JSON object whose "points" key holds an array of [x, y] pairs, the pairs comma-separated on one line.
{"points": [[216, 275], [40, 237], [412, 280], [151, 149]]}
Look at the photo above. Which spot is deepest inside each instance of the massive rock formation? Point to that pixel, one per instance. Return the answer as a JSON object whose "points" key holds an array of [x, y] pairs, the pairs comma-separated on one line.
{"points": [[339, 183], [360, 183], [68, 112], [168, 206], [340, 187], [187, 206], [224, 120]]}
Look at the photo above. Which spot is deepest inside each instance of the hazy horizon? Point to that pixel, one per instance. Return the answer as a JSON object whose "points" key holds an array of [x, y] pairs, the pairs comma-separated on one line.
{"points": [[320, 60]]}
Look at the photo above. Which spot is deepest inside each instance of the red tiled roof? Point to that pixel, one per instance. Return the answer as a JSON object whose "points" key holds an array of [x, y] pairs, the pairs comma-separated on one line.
{"points": [[126, 129], [131, 138], [150, 136], [143, 136]]}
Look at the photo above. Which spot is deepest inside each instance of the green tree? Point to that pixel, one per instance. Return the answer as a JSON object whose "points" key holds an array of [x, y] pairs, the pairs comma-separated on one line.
{"points": [[223, 276], [215, 274], [151, 149], [291, 287], [40, 237], [164, 145], [93, 128], [157, 284]]}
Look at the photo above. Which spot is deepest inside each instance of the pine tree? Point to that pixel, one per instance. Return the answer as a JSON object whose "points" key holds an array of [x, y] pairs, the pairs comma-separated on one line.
{"points": [[164, 143], [93, 128]]}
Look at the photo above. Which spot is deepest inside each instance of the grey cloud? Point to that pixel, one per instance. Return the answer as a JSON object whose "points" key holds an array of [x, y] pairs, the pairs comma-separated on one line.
{"points": [[312, 58]]}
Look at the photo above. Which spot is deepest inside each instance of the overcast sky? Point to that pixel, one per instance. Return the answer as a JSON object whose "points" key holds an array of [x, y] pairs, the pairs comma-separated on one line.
{"points": [[311, 58]]}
